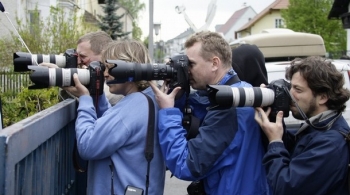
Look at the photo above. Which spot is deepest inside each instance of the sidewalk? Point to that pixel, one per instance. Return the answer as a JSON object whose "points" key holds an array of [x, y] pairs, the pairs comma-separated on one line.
{"points": [[174, 186]]}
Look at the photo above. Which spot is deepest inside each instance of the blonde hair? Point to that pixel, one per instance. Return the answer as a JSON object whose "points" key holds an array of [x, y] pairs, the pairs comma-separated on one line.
{"points": [[130, 51]]}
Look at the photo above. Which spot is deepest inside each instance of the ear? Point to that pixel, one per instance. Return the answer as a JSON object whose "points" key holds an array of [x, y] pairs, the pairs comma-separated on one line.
{"points": [[216, 62], [322, 98]]}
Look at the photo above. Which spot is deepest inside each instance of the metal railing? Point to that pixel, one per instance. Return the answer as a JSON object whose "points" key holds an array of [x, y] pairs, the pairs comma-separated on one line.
{"points": [[36, 154]]}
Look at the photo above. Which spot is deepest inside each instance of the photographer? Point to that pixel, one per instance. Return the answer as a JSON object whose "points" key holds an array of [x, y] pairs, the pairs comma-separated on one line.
{"points": [[117, 136], [89, 48], [314, 160], [227, 153]]}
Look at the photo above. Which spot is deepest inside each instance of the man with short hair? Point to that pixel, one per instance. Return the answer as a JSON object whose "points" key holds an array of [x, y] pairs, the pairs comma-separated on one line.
{"points": [[89, 48], [227, 153], [315, 159]]}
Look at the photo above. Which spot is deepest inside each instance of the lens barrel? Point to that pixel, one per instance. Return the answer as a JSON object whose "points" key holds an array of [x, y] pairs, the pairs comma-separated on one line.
{"points": [[224, 96], [22, 60], [127, 71], [44, 77]]}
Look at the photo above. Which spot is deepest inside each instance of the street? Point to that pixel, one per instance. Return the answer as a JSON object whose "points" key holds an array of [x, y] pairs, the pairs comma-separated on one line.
{"points": [[174, 186]]}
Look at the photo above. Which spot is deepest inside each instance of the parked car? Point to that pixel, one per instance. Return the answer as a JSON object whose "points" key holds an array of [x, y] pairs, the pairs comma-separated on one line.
{"points": [[280, 47]]}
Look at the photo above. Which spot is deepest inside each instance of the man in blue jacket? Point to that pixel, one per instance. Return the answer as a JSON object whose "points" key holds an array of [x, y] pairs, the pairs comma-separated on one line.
{"points": [[315, 159], [227, 153]]}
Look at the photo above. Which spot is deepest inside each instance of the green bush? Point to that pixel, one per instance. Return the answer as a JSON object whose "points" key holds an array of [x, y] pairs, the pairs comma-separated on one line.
{"points": [[52, 35]]}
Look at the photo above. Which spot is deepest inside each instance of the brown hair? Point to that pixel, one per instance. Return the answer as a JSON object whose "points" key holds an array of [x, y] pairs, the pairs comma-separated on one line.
{"points": [[98, 40], [130, 51], [322, 77], [213, 44]]}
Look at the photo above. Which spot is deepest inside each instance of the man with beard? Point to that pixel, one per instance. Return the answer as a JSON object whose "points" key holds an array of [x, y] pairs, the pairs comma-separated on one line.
{"points": [[315, 159]]}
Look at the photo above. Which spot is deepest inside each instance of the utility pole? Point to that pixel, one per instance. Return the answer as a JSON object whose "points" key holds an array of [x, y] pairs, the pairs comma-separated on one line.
{"points": [[150, 36]]}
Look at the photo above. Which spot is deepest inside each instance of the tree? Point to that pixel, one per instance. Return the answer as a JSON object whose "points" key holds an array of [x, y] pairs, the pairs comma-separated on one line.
{"points": [[110, 22], [311, 17], [134, 7]]}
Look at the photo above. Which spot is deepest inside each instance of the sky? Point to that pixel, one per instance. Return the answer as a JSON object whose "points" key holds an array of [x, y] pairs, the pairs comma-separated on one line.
{"points": [[173, 24]]}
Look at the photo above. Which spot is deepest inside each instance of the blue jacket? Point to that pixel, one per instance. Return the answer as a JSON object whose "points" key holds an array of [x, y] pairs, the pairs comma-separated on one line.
{"points": [[227, 153], [118, 135], [317, 162]]}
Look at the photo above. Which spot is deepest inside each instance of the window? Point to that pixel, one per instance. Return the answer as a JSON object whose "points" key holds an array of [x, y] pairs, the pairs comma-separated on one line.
{"points": [[101, 1], [278, 23]]}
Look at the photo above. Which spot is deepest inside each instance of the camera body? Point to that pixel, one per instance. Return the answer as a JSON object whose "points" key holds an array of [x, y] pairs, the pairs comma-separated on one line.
{"points": [[22, 60]]}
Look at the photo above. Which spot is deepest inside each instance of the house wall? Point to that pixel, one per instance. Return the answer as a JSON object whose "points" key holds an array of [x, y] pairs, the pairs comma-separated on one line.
{"points": [[248, 14], [266, 22]]}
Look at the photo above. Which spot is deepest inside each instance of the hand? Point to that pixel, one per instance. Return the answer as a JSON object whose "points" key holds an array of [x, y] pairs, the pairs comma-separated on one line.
{"points": [[273, 131], [77, 90], [164, 100], [49, 65]]}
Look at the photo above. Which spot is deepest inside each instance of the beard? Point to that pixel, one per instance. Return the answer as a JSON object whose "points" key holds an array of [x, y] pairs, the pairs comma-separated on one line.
{"points": [[309, 112]]}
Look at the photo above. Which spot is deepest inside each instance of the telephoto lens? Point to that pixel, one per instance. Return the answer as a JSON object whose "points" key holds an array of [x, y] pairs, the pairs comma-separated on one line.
{"points": [[21, 60], [44, 77], [224, 96]]}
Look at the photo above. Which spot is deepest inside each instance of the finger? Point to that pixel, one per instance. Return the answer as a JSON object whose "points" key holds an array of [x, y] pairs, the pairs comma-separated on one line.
{"points": [[175, 91], [268, 111], [262, 85], [49, 65], [154, 86], [76, 79], [163, 88], [257, 116], [279, 118]]}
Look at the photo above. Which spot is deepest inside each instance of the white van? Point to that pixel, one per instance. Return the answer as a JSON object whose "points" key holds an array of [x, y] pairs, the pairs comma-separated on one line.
{"points": [[280, 48]]}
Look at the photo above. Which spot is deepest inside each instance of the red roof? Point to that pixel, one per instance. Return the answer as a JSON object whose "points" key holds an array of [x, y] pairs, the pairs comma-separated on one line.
{"points": [[233, 19], [276, 5]]}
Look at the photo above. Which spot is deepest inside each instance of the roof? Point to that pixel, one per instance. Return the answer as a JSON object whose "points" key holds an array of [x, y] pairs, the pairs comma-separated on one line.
{"points": [[233, 19], [276, 5], [185, 34]]}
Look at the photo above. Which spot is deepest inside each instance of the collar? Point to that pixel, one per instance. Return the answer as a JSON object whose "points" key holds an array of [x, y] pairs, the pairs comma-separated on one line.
{"points": [[227, 76], [317, 119]]}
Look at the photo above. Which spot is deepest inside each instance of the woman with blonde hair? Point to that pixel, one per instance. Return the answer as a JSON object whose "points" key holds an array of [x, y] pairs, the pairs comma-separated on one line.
{"points": [[114, 139]]}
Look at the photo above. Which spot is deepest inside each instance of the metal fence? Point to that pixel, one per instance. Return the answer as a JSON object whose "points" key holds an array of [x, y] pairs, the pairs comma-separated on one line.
{"points": [[36, 154]]}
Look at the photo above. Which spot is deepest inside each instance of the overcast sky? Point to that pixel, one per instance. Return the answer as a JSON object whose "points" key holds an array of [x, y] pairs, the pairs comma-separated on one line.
{"points": [[172, 23]]}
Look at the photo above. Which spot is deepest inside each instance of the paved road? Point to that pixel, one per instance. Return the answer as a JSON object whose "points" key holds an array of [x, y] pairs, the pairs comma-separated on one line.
{"points": [[174, 186]]}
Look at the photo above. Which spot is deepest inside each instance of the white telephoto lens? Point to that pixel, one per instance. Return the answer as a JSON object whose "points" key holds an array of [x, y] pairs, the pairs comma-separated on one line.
{"points": [[60, 61], [84, 76], [66, 77], [52, 76], [268, 96]]}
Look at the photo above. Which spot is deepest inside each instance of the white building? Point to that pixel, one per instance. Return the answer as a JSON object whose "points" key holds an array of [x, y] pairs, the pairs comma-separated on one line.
{"points": [[24, 9], [235, 22]]}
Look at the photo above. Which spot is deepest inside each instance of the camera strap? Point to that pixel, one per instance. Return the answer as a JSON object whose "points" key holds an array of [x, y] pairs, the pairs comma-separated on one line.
{"points": [[149, 143]]}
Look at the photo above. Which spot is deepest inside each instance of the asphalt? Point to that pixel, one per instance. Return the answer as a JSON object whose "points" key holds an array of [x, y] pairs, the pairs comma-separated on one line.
{"points": [[174, 186]]}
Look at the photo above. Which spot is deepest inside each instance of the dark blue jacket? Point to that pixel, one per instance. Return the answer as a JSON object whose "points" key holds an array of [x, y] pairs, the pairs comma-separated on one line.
{"points": [[317, 162], [227, 153]]}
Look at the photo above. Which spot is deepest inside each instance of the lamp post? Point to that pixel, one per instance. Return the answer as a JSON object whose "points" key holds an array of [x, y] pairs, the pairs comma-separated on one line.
{"points": [[150, 36]]}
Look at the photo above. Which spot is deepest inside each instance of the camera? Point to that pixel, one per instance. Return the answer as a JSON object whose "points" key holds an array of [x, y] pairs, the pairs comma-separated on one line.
{"points": [[21, 60], [276, 95], [44, 77], [176, 70], [130, 190]]}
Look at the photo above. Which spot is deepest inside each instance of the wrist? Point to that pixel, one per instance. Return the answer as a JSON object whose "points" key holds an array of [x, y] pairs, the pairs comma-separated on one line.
{"points": [[275, 140]]}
